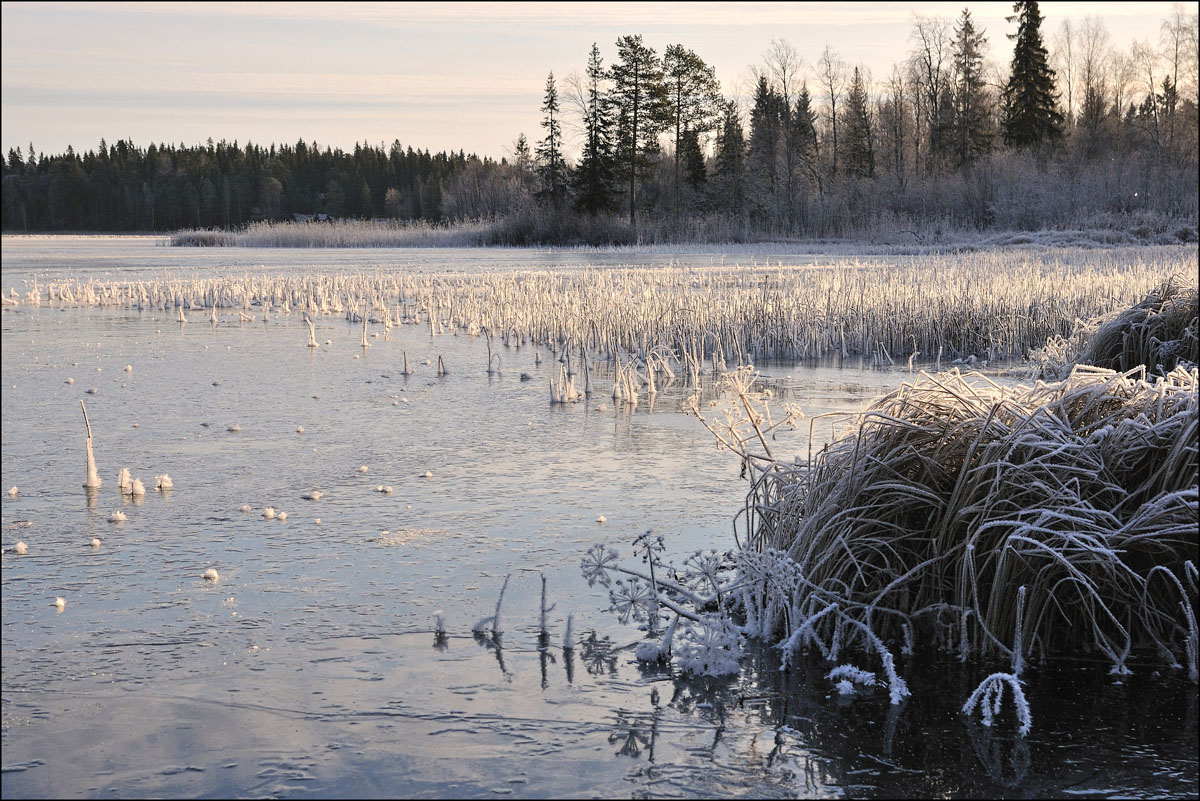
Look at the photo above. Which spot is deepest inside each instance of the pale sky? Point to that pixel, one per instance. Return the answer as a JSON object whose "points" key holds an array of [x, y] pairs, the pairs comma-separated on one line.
{"points": [[442, 76]]}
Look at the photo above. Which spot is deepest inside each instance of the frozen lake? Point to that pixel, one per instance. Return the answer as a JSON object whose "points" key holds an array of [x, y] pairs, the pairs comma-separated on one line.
{"points": [[311, 668]]}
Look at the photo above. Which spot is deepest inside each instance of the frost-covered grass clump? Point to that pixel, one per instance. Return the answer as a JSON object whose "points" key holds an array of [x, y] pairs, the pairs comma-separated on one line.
{"points": [[989, 523], [1160, 332], [954, 493]]}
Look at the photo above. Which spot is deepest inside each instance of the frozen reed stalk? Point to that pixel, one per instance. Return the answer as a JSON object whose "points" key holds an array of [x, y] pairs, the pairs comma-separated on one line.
{"points": [[543, 625], [163, 482], [312, 333], [497, 628], [487, 337], [182, 319], [990, 694], [569, 636], [441, 368], [1018, 661], [439, 622], [124, 480], [365, 344], [853, 674], [93, 477], [494, 620]]}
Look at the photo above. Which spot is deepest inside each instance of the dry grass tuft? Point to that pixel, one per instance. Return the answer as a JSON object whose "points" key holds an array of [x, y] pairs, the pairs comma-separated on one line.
{"points": [[955, 493], [1160, 332]]}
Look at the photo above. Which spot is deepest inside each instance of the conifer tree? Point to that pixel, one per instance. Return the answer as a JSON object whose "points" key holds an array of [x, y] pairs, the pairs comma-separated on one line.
{"points": [[694, 170], [1031, 115], [765, 133], [858, 138], [552, 168], [594, 177], [806, 146], [729, 175], [972, 131], [640, 98], [694, 97]]}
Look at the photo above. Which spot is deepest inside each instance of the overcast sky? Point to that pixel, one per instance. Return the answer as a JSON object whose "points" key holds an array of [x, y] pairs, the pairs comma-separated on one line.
{"points": [[440, 76]]}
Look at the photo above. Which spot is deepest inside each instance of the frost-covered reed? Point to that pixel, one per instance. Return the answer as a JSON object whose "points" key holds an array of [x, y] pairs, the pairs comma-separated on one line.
{"points": [[1160, 332], [993, 304], [341, 234], [92, 481], [994, 522]]}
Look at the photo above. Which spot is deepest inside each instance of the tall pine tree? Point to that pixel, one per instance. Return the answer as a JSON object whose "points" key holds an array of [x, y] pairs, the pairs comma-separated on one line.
{"points": [[1031, 114], [640, 98], [695, 106]]}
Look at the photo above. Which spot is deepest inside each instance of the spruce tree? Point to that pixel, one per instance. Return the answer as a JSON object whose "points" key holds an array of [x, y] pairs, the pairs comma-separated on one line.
{"points": [[858, 154], [551, 167], [767, 119], [594, 177], [729, 175], [972, 131], [806, 146], [1031, 115]]}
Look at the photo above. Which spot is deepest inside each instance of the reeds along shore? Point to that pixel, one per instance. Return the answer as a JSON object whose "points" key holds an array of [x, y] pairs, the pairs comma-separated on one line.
{"points": [[1160, 332], [995, 523], [994, 305]]}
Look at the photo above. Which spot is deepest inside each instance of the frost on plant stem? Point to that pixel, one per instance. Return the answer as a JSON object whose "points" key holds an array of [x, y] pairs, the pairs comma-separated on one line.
{"points": [[493, 621], [569, 636], [711, 646], [657, 650], [852, 674], [989, 696]]}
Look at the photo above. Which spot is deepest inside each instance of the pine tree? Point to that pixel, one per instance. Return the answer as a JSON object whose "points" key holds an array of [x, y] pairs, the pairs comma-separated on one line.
{"points": [[1031, 115], [594, 177], [695, 100], [640, 98], [552, 169]]}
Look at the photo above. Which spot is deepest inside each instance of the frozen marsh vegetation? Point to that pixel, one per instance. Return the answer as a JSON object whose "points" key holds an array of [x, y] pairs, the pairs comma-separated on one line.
{"points": [[989, 305], [322, 607], [957, 516]]}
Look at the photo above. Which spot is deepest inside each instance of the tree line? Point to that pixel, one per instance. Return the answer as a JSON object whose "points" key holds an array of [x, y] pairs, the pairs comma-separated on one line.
{"points": [[1070, 132]]}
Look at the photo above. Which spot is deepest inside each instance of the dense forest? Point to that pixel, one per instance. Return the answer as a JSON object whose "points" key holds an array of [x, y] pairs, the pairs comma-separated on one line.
{"points": [[1071, 132]]}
